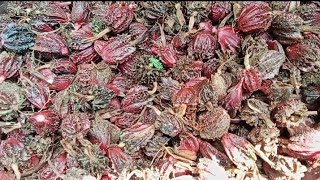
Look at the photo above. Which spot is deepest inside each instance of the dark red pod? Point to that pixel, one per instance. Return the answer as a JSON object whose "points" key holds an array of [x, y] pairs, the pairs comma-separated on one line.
{"points": [[120, 85], [40, 26], [59, 164], [61, 82], [80, 12], [255, 17], [304, 54], [38, 96], [9, 65], [56, 14], [76, 124], [203, 45], [136, 98], [124, 120], [119, 17], [63, 66], [228, 39], [137, 30], [208, 151], [186, 95], [79, 35], [45, 122], [52, 44], [251, 80], [119, 159], [210, 67], [219, 10], [188, 147], [84, 56], [234, 97], [115, 50], [168, 56]]}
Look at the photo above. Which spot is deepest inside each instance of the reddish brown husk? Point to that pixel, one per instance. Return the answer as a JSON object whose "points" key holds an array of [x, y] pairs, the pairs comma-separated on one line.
{"points": [[85, 56], [115, 50], [45, 122], [251, 80], [80, 12], [255, 17], [228, 39], [209, 151], [51, 44], [215, 123], [9, 65], [219, 10], [119, 17], [234, 97], [38, 96], [136, 98], [119, 159], [64, 66]]}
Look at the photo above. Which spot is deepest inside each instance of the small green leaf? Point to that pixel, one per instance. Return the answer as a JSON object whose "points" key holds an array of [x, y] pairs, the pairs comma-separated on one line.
{"points": [[156, 63]]}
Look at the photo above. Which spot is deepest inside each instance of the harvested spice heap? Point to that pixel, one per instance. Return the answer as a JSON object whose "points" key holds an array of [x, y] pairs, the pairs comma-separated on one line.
{"points": [[160, 90]]}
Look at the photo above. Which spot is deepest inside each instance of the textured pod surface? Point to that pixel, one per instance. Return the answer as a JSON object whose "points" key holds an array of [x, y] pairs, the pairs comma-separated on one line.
{"points": [[119, 17], [286, 28], [203, 45], [75, 124], [119, 159], [228, 39], [85, 56], [269, 63], [215, 122], [115, 50], [219, 10], [168, 124], [11, 100], [38, 96], [251, 80], [52, 44], [168, 55], [135, 99], [255, 17], [137, 136], [17, 38], [305, 55], [9, 65], [45, 122]]}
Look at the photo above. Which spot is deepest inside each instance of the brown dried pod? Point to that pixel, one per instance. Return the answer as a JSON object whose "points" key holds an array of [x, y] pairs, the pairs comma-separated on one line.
{"points": [[188, 146], [305, 54], [287, 28], [268, 63], [85, 56], [215, 123], [119, 159], [119, 16], [169, 124], [137, 136]]}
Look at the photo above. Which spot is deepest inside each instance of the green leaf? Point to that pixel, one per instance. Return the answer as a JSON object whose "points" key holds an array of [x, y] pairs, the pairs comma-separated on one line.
{"points": [[156, 63]]}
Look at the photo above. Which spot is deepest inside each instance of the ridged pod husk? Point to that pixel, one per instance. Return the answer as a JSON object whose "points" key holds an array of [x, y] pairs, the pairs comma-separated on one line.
{"points": [[287, 28], [305, 55], [310, 12], [268, 63], [255, 17], [17, 38], [11, 100], [215, 122]]}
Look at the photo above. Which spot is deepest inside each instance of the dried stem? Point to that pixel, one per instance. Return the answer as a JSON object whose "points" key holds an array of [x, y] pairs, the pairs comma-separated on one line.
{"points": [[154, 90], [16, 171], [98, 36]]}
